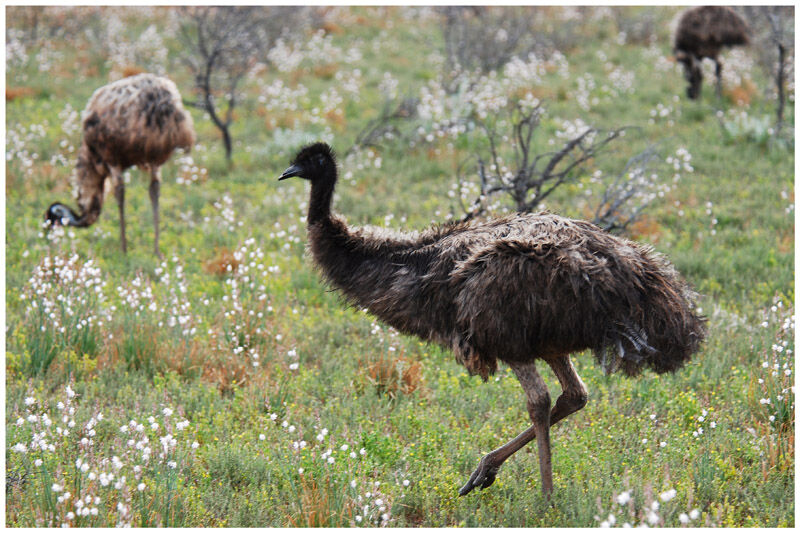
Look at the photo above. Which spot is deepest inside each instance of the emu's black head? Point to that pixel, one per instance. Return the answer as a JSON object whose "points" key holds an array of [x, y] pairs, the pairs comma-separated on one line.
{"points": [[60, 215], [315, 162]]}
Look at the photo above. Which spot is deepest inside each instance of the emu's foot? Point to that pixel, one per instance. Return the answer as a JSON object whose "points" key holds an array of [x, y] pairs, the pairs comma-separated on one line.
{"points": [[483, 476]]}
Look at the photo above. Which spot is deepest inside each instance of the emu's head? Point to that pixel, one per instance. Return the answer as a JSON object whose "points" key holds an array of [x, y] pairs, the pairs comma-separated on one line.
{"points": [[60, 215], [692, 72], [315, 162]]}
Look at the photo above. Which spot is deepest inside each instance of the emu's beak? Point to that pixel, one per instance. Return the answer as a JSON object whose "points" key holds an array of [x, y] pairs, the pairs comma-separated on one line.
{"points": [[290, 172]]}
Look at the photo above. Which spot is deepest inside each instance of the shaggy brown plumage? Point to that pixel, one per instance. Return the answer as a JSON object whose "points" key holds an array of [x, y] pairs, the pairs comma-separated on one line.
{"points": [[134, 121], [703, 32], [515, 289]]}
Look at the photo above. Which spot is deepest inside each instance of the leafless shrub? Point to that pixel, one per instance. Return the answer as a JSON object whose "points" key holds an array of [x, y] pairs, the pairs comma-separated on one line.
{"points": [[385, 126], [483, 39], [629, 193], [640, 25], [773, 40], [36, 24], [222, 44], [528, 179]]}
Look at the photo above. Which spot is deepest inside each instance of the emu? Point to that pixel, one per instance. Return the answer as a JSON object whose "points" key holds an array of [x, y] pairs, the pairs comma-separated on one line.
{"points": [[520, 288], [134, 121], [703, 32]]}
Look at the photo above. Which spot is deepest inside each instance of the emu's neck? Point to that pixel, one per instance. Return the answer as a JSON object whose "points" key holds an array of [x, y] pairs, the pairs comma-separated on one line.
{"points": [[319, 207], [372, 271]]}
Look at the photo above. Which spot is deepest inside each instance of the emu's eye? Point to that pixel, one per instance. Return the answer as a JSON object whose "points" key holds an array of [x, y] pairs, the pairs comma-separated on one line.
{"points": [[319, 160]]}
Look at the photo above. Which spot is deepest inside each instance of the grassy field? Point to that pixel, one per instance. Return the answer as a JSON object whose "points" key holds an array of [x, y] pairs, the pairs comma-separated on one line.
{"points": [[227, 386]]}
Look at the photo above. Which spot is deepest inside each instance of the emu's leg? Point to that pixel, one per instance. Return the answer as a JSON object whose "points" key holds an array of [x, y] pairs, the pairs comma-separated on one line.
{"points": [[119, 194], [574, 394], [539, 411], [718, 71], [155, 189], [572, 399]]}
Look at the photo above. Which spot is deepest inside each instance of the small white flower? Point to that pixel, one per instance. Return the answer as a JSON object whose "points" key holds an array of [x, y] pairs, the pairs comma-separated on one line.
{"points": [[195, 445], [683, 518], [30, 400], [405, 483], [668, 495], [300, 470], [694, 514], [167, 411], [624, 498], [38, 462], [56, 487], [140, 487], [652, 517]]}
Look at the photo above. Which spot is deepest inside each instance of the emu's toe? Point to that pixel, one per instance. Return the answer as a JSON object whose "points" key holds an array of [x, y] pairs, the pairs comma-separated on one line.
{"points": [[482, 477]]}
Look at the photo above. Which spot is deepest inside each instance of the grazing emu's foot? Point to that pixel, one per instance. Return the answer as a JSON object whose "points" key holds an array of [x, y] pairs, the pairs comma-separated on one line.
{"points": [[483, 476]]}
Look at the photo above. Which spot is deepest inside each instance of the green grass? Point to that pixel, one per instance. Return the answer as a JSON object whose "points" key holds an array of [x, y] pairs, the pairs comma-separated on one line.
{"points": [[351, 413]]}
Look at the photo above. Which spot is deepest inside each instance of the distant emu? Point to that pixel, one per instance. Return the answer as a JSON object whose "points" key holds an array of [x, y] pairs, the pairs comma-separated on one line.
{"points": [[134, 121], [518, 288], [702, 32]]}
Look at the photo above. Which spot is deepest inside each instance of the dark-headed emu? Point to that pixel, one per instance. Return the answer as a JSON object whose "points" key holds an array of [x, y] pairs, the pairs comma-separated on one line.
{"points": [[518, 288], [703, 32], [134, 121]]}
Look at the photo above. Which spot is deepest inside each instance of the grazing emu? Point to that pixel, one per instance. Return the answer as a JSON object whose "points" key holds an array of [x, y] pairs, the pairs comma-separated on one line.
{"points": [[134, 121], [518, 288], [702, 32]]}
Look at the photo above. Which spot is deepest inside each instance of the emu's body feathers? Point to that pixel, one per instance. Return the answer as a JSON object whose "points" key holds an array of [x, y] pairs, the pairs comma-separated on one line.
{"points": [[516, 288]]}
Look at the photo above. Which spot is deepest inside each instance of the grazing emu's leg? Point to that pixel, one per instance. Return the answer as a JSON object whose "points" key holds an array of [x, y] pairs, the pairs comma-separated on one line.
{"points": [[572, 399], [155, 189], [718, 71], [119, 194]]}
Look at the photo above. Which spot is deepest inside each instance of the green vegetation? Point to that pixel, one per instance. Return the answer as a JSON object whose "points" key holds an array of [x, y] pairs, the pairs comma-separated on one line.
{"points": [[226, 386]]}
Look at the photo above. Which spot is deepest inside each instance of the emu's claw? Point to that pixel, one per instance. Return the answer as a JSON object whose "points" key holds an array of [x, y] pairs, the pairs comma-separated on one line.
{"points": [[482, 477]]}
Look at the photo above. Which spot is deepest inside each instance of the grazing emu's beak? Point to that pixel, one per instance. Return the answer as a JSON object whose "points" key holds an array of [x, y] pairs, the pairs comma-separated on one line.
{"points": [[291, 172], [60, 215]]}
